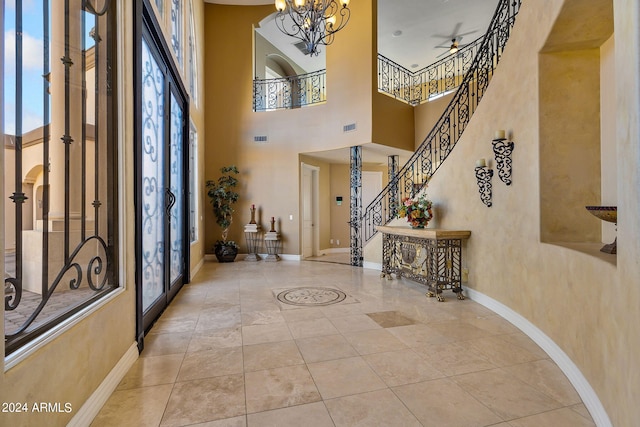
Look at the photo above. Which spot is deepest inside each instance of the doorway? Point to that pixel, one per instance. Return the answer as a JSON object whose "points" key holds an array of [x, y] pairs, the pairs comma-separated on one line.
{"points": [[162, 254], [309, 223]]}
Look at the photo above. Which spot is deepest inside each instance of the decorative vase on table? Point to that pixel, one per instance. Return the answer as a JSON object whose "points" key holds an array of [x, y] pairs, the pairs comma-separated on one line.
{"points": [[418, 211]]}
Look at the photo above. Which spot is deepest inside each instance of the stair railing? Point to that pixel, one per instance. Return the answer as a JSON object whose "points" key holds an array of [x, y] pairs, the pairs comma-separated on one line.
{"points": [[290, 92], [416, 87], [438, 144]]}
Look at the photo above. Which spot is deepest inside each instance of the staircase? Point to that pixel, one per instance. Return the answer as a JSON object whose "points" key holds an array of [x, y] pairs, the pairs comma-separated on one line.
{"points": [[438, 144]]}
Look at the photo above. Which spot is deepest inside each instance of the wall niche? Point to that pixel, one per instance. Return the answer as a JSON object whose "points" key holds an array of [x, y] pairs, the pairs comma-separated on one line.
{"points": [[573, 155]]}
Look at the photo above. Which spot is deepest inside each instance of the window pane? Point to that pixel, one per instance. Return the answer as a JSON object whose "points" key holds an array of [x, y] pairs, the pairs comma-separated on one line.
{"points": [[193, 59], [193, 176], [59, 147], [176, 187], [176, 29], [153, 184]]}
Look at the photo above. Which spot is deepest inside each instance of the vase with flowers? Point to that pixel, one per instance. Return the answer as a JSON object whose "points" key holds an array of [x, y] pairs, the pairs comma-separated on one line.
{"points": [[418, 211]]}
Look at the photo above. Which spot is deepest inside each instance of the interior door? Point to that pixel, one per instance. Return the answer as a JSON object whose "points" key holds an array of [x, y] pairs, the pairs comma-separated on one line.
{"points": [[308, 211]]}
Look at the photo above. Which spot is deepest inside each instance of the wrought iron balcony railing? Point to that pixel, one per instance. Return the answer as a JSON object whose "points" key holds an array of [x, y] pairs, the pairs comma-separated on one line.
{"points": [[289, 92], [416, 87], [438, 144]]}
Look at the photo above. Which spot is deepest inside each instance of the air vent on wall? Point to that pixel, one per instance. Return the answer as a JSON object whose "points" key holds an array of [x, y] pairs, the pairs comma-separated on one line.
{"points": [[260, 138], [349, 128]]}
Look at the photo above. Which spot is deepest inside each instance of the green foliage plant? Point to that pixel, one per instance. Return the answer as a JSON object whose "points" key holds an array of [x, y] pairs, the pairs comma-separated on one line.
{"points": [[222, 196]]}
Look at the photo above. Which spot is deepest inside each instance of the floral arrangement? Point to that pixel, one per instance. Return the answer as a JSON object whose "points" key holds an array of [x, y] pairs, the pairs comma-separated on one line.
{"points": [[417, 211]]}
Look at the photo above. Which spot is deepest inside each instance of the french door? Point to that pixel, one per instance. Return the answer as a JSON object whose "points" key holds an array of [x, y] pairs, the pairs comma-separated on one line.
{"points": [[161, 152]]}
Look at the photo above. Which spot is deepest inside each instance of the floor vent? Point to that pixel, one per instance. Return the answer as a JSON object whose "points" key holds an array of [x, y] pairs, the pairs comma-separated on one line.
{"points": [[260, 138]]}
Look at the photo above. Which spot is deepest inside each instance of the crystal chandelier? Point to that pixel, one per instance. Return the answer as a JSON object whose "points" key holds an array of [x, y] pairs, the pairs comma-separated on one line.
{"points": [[312, 21]]}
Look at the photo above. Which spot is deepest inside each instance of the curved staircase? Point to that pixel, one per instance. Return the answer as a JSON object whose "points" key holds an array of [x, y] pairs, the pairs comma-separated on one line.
{"points": [[438, 144]]}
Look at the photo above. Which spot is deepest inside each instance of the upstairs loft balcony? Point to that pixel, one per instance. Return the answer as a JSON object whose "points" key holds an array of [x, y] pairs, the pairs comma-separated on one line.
{"points": [[411, 87]]}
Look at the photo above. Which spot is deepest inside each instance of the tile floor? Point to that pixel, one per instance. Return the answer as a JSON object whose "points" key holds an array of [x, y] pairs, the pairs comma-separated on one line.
{"points": [[226, 352]]}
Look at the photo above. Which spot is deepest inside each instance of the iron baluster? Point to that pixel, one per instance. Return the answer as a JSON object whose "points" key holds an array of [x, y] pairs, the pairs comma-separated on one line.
{"points": [[289, 92], [356, 206], [440, 141]]}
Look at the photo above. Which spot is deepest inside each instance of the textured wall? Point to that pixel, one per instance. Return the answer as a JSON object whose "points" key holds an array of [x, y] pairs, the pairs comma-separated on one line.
{"points": [[587, 303], [270, 172]]}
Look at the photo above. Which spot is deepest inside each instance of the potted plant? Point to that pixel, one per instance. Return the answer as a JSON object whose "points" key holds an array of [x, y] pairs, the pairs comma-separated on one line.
{"points": [[222, 195]]}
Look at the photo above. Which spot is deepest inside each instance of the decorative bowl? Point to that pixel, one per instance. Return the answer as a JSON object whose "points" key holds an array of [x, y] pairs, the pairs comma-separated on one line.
{"points": [[605, 213]]}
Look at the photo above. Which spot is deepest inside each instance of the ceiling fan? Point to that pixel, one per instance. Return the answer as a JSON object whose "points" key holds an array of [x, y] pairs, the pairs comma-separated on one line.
{"points": [[455, 38], [453, 48]]}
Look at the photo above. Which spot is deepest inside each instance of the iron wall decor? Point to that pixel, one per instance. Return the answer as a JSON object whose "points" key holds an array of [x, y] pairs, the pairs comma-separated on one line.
{"points": [[483, 176], [502, 151]]}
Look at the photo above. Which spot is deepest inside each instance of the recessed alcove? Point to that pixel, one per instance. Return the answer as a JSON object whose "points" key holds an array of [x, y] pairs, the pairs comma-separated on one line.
{"points": [[577, 163]]}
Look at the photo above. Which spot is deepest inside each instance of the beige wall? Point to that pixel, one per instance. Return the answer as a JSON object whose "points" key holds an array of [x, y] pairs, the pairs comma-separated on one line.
{"points": [[340, 215], [197, 115], [341, 186], [263, 49], [585, 301], [608, 168], [427, 115], [619, 339], [270, 171], [569, 144], [393, 122]]}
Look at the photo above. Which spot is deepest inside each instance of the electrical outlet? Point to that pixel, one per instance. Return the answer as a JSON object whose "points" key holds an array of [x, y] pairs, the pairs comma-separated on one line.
{"points": [[337, 242], [331, 241], [465, 274]]}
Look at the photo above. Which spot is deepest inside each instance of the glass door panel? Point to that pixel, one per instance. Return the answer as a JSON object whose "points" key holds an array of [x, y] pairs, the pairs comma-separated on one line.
{"points": [[152, 227], [176, 176]]}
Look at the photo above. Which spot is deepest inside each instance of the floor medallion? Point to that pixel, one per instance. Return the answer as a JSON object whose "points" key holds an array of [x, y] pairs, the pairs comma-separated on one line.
{"points": [[311, 296]]}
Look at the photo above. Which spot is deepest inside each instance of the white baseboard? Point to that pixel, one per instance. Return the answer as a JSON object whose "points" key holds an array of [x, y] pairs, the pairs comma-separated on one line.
{"points": [[580, 383], [288, 257], [197, 268], [96, 401], [372, 265], [284, 257], [335, 251]]}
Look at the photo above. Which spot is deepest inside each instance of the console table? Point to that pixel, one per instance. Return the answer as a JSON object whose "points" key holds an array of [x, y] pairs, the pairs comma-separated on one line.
{"points": [[429, 256]]}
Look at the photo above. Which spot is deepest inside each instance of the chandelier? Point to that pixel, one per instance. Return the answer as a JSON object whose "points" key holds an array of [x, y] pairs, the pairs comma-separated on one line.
{"points": [[314, 22]]}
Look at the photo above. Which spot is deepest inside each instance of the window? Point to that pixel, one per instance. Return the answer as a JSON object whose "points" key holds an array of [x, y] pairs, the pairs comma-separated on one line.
{"points": [[193, 181], [193, 58], [59, 160], [176, 29]]}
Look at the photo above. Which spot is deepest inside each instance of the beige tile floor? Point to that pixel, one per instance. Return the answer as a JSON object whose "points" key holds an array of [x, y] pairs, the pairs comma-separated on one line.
{"points": [[226, 352]]}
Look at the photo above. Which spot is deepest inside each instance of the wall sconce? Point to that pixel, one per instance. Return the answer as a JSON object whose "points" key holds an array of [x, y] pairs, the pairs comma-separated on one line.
{"points": [[483, 176], [502, 151], [339, 200]]}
